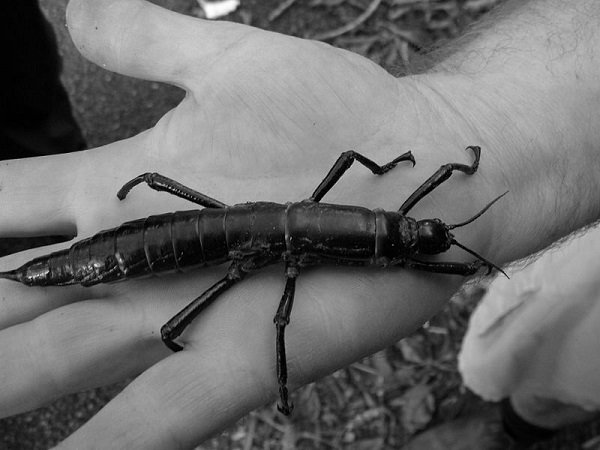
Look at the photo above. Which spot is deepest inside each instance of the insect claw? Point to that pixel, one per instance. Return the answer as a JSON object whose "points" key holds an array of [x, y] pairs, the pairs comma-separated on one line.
{"points": [[174, 346], [285, 409], [167, 339]]}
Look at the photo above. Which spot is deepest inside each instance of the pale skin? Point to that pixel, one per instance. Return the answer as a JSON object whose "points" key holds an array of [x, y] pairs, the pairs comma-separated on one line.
{"points": [[264, 118]]}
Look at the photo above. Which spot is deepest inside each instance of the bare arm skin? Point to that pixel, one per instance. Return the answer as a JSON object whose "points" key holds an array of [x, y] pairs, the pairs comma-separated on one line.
{"points": [[523, 86], [527, 76]]}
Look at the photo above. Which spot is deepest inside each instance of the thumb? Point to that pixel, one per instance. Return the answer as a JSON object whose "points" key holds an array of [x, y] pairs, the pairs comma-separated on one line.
{"points": [[139, 39]]}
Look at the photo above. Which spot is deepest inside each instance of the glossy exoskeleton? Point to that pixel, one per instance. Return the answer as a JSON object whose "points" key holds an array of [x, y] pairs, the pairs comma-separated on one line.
{"points": [[254, 235]]}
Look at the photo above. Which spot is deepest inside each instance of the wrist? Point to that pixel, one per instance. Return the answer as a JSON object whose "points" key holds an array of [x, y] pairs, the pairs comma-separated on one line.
{"points": [[536, 143]]}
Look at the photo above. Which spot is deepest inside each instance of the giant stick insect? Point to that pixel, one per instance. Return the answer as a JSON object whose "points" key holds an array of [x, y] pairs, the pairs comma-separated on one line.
{"points": [[254, 235]]}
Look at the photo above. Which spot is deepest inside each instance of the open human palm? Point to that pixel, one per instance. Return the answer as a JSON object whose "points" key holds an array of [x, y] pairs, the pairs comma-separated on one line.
{"points": [[264, 118]]}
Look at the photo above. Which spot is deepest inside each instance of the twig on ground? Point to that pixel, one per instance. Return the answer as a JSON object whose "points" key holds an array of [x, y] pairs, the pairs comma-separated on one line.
{"points": [[273, 15], [251, 432], [350, 25]]}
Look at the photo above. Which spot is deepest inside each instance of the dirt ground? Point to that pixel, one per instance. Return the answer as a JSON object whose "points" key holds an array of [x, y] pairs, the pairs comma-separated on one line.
{"points": [[378, 403]]}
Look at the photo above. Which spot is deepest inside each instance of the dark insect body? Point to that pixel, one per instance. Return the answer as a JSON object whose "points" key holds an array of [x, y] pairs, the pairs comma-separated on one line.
{"points": [[254, 235]]}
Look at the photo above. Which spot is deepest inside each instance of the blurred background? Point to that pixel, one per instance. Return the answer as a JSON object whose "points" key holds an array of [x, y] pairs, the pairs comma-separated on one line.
{"points": [[378, 403]]}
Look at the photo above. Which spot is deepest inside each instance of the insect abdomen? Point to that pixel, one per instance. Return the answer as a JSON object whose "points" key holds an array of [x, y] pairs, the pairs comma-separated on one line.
{"points": [[170, 242]]}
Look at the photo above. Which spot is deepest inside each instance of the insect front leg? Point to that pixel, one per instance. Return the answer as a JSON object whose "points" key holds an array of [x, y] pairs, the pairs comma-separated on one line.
{"points": [[281, 320], [449, 267], [441, 175], [159, 183], [344, 162]]}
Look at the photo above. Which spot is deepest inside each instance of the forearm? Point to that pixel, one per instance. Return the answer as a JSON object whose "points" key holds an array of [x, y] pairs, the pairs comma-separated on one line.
{"points": [[524, 85], [542, 41]]}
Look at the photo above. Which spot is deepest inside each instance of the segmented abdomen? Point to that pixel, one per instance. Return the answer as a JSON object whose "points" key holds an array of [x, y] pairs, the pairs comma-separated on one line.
{"points": [[189, 239], [161, 243], [165, 243], [173, 242]]}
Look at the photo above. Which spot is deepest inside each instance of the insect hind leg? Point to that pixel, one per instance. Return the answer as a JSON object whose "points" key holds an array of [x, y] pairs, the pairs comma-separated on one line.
{"points": [[159, 183], [239, 268], [344, 162]]}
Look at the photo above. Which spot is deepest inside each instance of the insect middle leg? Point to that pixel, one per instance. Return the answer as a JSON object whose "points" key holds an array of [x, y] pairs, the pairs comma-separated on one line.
{"points": [[159, 182], [344, 162], [281, 320], [178, 323], [441, 175], [238, 269]]}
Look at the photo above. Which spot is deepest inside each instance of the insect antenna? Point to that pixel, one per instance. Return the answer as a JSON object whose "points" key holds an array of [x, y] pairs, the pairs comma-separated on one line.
{"points": [[481, 258], [466, 222]]}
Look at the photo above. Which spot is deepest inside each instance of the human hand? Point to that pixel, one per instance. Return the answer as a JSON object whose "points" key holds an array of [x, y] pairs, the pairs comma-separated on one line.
{"points": [[264, 118]]}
